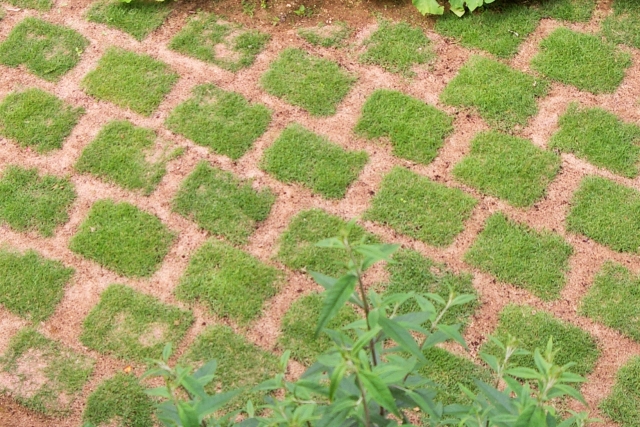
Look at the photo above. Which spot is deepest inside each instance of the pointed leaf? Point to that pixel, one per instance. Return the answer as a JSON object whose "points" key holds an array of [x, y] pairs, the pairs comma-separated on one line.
{"points": [[335, 299], [379, 391], [401, 336], [430, 7]]}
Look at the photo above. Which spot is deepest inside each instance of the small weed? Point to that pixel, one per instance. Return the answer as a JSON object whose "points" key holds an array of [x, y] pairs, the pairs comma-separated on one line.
{"points": [[332, 35], [248, 7], [623, 26], [42, 5], [623, 404], [138, 18]]}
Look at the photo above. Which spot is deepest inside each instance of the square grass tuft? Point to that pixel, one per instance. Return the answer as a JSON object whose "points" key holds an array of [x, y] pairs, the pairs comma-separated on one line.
{"points": [[123, 238], [31, 286], [416, 130], [35, 118], [623, 25], [581, 60], [211, 39], [601, 138], [133, 326], [522, 256], [47, 50], [504, 97], [230, 282], [332, 35], [130, 80], [43, 375], [138, 18], [301, 156], [508, 167], [607, 213], [420, 208], [565, 10], [33, 202], [222, 204], [42, 5], [119, 155], [623, 404], [223, 121], [315, 84]]}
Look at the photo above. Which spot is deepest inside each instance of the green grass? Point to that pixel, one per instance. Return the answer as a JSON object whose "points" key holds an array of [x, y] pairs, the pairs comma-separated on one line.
{"points": [[614, 300], [517, 254], [35, 118], [130, 80], [623, 404], [211, 39], [222, 204], [623, 25], [121, 400], [581, 60], [397, 47], [133, 326], [499, 29], [123, 238], [30, 285], [299, 328], [119, 155], [45, 376], [297, 248], [315, 84], [534, 328], [333, 35], [508, 167], [607, 213], [223, 121], [301, 156], [504, 97], [47, 50], [420, 208], [599, 137], [411, 272], [33, 202], [566, 10], [42, 5], [416, 130], [138, 18], [229, 282]]}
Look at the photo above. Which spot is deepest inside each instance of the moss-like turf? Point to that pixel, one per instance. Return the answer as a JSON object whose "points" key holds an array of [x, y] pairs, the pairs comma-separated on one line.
{"points": [[123, 238], [223, 121], [130, 80], [42, 5], [315, 84], [333, 35], [301, 156], [416, 130], [222, 204], [623, 25], [35, 118], [133, 326], [33, 202], [623, 404], [138, 18], [47, 50], [423, 209]]}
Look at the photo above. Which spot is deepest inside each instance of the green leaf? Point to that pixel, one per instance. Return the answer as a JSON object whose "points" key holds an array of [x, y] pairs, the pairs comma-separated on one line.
{"points": [[332, 242], [211, 404], [379, 391], [188, 415], [453, 332], [524, 373], [206, 373], [375, 253], [335, 298], [166, 352], [159, 391], [430, 7], [336, 379], [463, 299], [401, 336]]}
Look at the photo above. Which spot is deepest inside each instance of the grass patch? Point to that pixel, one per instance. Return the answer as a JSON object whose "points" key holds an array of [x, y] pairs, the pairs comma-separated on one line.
{"points": [[299, 328], [30, 285], [499, 29], [123, 238], [397, 47], [35, 118], [623, 404], [138, 18], [614, 300], [301, 156], [566, 10], [611, 220], [297, 248], [504, 97], [230, 282], [121, 400], [130, 80], [31, 202], [522, 256], [420, 208], [581, 60], [534, 328], [211, 39], [133, 326], [47, 50], [623, 25], [223, 121], [508, 167], [416, 130], [332, 35], [601, 138], [222, 204], [44, 375], [315, 84], [42, 5], [119, 155]]}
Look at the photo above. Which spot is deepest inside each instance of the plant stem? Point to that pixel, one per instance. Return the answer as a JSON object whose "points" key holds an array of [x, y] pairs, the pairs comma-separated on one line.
{"points": [[367, 416]]}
